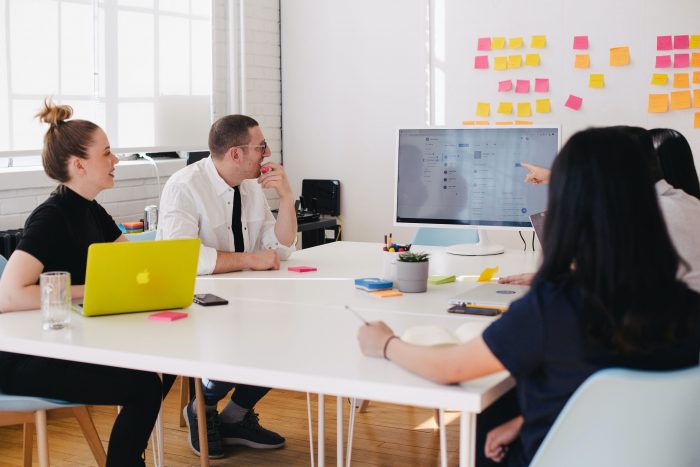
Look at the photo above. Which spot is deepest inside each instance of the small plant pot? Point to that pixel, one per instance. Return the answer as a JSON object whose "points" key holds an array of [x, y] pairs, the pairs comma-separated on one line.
{"points": [[412, 277]]}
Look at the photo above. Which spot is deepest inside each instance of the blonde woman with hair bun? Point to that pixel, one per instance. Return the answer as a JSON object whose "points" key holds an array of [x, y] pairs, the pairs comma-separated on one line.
{"points": [[57, 234]]}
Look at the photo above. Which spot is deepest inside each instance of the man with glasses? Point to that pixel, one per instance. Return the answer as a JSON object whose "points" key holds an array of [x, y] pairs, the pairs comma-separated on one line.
{"points": [[220, 199]]}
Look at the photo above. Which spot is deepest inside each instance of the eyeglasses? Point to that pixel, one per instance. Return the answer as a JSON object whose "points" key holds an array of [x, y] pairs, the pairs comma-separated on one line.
{"points": [[263, 146]]}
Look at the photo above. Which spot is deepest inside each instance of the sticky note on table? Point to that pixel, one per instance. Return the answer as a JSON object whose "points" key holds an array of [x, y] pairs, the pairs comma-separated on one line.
{"points": [[515, 43], [695, 59], [694, 42], [500, 63], [167, 316], [522, 86], [498, 42], [524, 109], [681, 60], [663, 61], [696, 77], [483, 109], [696, 98], [437, 280], [681, 42], [680, 100], [532, 59], [658, 103], [541, 84], [596, 80], [681, 80], [481, 62], [505, 85], [385, 293], [542, 106], [696, 124], [505, 108], [659, 79], [619, 56], [663, 43], [573, 102], [483, 43], [538, 42], [487, 274], [580, 42], [514, 61], [582, 61], [301, 269]]}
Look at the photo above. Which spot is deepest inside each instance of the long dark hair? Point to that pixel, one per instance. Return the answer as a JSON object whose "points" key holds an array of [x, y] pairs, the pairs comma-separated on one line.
{"points": [[607, 238], [676, 160]]}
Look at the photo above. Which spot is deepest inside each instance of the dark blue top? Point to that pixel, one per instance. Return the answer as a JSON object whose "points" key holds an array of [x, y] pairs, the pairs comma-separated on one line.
{"points": [[541, 343]]}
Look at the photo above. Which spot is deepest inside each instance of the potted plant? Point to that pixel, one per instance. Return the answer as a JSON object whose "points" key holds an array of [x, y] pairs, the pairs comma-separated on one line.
{"points": [[412, 271]]}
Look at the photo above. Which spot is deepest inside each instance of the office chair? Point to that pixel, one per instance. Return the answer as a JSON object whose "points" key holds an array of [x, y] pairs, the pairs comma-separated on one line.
{"points": [[444, 237], [627, 418]]}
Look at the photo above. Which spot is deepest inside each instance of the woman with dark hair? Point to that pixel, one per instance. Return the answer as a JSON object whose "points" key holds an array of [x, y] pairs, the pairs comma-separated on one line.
{"points": [[676, 160], [593, 303]]}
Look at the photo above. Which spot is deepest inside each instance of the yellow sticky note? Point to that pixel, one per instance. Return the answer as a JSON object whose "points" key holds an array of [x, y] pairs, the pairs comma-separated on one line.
{"points": [[694, 42], [696, 98], [524, 109], [582, 61], [532, 59], [619, 56], [680, 100], [498, 43], [538, 42], [695, 59], [385, 293], [515, 43], [514, 61], [696, 77], [658, 103], [500, 63], [659, 79], [681, 80], [505, 108], [697, 120], [487, 274], [596, 80], [523, 122], [483, 109], [542, 106]]}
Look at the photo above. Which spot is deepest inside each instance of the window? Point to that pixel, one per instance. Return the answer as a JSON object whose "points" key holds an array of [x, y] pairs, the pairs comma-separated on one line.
{"points": [[141, 69]]}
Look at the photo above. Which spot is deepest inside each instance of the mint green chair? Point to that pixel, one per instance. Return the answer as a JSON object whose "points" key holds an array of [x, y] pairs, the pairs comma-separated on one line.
{"points": [[3, 263]]}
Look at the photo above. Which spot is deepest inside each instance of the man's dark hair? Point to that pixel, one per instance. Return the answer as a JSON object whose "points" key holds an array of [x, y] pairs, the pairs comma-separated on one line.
{"points": [[229, 131]]}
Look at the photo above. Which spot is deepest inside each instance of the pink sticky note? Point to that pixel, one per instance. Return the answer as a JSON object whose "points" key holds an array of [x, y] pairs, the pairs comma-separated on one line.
{"points": [[574, 102], [504, 86], [481, 62], [663, 43], [301, 268], [681, 60], [522, 86], [541, 84], [663, 61], [167, 316], [484, 43], [681, 42], [580, 42]]}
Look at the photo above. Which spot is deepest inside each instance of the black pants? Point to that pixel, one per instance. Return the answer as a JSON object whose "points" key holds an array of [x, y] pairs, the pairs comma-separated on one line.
{"points": [[138, 392], [245, 396], [503, 410]]}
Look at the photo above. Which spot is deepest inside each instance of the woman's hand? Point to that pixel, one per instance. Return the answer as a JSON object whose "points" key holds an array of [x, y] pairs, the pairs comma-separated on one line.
{"points": [[536, 174], [373, 337], [498, 439]]}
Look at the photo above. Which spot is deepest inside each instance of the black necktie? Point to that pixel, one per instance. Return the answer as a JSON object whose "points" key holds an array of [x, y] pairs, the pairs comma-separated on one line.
{"points": [[236, 225]]}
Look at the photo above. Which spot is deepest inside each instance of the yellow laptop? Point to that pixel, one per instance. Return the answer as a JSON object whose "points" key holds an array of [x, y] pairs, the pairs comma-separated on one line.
{"points": [[125, 277]]}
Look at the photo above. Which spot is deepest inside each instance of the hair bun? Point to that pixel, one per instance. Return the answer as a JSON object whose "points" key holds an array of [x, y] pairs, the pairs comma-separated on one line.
{"points": [[54, 114]]}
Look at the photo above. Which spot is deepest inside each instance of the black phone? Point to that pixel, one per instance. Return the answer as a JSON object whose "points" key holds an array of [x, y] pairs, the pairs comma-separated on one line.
{"points": [[209, 299], [474, 310]]}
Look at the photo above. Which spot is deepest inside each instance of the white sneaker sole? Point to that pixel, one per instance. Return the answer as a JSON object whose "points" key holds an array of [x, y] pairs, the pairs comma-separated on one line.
{"points": [[249, 443]]}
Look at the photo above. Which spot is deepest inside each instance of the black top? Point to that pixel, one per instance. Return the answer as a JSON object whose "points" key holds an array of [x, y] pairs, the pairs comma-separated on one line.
{"points": [[541, 343], [58, 233]]}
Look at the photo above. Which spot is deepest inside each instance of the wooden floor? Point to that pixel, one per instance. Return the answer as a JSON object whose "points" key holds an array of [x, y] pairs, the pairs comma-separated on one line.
{"points": [[385, 435]]}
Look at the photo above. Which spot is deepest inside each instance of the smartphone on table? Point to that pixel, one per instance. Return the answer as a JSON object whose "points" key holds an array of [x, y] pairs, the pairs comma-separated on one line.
{"points": [[209, 299], [475, 310]]}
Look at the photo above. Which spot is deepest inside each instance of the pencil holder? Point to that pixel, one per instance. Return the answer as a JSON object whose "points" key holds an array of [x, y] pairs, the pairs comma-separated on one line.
{"points": [[389, 265]]}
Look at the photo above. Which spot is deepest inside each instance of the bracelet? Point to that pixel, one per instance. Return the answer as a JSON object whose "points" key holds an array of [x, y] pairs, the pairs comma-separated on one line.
{"points": [[386, 344]]}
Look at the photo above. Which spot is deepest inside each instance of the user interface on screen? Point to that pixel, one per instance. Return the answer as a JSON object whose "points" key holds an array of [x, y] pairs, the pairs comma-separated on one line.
{"points": [[471, 176]]}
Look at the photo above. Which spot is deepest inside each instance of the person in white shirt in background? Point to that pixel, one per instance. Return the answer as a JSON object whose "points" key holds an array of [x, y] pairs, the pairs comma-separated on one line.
{"points": [[220, 200]]}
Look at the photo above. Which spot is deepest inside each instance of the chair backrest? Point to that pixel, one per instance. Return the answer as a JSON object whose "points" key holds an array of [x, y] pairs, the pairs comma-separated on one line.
{"points": [[628, 418], [444, 237], [3, 262]]}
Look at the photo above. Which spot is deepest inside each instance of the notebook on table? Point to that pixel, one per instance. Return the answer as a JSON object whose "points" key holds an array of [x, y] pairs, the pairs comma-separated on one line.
{"points": [[126, 277], [491, 295]]}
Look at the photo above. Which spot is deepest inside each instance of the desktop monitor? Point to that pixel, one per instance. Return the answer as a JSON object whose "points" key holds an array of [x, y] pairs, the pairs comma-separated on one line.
{"points": [[471, 178]]}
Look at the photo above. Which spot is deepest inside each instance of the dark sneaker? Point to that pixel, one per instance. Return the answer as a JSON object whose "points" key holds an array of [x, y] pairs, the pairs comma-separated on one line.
{"points": [[216, 449], [248, 432]]}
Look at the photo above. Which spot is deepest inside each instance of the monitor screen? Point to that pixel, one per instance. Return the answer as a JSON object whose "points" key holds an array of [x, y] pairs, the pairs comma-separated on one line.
{"points": [[471, 176]]}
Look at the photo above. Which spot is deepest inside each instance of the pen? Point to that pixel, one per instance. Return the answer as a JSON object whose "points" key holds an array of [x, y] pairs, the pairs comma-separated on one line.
{"points": [[356, 314]]}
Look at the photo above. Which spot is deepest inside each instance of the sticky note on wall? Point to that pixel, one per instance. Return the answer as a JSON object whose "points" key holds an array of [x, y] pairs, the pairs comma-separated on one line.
{"points": [[505, 108], [681, 42], [664, 43], [659, 79], [596, 81], [483, 43], [500, 63], [681, 60], [481, 62], [515, 43], [483, 109], [680, 100], [542, 106], [532, 59], [541, 84], [514, 61], [582, 61], [696, 98], [524, 109], [696, 77], [498, 42], [573, 102], [696, 124], [658, 103], [619, 56], [694, 42], [695, 59], [538, 42], [663, 61], [681, 80], [522, 86], [505, 85], [580, 42]]}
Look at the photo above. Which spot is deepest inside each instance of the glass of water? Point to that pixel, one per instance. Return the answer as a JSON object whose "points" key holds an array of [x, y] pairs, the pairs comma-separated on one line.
{"points": [[55, 299]]}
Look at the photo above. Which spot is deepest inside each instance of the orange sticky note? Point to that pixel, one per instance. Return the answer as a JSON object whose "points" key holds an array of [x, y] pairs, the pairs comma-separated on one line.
{"points": [[500, 63], [514, 61], [542, 106], [696, 98], [619, 56], [468, 122], [659, 79], [696, 77], [487, 274], [695, 59], [481, 122], [532, 59], [681, 80], [515, 43], [697, 120], [658, 103], [694, 42], [582, 61], [538, 42], [483, 109], [680, 100], [505, 108], [504, 123], [385, 293], [523, 122], [498, 42], [524, 109], [596, 80]]}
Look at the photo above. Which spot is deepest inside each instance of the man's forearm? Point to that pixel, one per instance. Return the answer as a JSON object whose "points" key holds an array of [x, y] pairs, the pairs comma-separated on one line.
{"points": [[227, 261], [286, 225]]}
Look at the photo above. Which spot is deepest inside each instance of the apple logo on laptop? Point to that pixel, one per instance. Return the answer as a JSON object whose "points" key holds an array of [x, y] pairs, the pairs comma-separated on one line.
{"points": [[143, 277]]}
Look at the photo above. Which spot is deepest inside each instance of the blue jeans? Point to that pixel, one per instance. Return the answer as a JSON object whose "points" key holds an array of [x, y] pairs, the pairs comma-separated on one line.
{"points": [[244, 396]]}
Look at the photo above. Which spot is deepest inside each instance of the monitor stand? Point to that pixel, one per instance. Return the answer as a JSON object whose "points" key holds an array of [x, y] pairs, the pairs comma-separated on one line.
{"points": [[482, 248]]}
